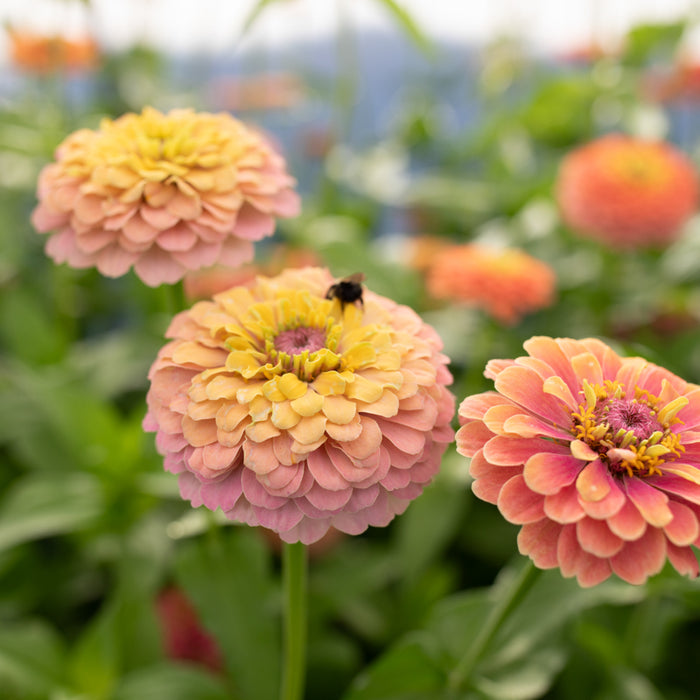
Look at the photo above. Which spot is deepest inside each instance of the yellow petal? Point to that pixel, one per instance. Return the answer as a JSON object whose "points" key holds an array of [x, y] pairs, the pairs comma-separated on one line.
{"points": [[339, 410], [290, 385], [359, 355], [309, 430], [364, 390], [284, 416], [329, 383], [309, 404]]}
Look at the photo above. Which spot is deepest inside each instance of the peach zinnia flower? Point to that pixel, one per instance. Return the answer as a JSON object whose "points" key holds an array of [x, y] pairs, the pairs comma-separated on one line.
{"points": [[295, 412], [595, 455], [165, 193], [626, 192], [506, 283]]}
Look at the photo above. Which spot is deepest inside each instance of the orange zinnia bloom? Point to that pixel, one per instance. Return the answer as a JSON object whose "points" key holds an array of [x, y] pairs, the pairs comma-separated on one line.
{"points": [[627, 192], [507, 283], [40, 53]]}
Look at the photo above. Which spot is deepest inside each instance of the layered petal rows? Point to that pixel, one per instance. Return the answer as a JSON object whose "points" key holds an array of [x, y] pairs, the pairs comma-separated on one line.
{"points": [[296, 412], [627, 192], [596, 456], [164, 193]]}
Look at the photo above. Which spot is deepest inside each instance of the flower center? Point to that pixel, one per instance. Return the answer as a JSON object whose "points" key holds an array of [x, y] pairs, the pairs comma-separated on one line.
{"points": [[632, 436], [294, 341]]}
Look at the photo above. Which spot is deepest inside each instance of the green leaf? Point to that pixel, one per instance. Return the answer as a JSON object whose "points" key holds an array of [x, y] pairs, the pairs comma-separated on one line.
{"points": [[408, 671], [429, 523], [31, 660], [171, 682], [227, 575], [43, 505]]}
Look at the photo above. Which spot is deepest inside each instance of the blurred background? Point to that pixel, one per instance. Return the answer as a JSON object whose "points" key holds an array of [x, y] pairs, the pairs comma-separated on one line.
{"points": [[411, 126]]}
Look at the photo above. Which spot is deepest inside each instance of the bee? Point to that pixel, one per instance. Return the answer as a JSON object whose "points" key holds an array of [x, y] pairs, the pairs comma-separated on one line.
{"points": [[348, 290]]}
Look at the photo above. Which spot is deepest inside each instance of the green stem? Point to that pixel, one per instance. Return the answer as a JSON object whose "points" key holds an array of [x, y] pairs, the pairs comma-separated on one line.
{"points": [[174, 298], [510, 597], [294, 581]]}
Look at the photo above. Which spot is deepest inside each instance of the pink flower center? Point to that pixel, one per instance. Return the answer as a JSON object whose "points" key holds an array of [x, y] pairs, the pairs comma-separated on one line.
{"points": [[295, 341], [632, 416]]}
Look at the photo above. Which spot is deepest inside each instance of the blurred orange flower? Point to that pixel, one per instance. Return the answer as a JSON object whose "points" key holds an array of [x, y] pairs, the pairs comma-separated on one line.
{"points": [[41, 53], [506, 283], [627, 192]]}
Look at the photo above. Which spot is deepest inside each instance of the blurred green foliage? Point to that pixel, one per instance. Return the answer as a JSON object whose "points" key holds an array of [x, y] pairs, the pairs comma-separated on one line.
{"points": [[92, 529]]}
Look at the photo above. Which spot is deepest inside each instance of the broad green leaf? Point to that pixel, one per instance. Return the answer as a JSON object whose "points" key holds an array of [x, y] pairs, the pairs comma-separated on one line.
{"points": [[527, 678], [32, 661], [227, 575], [44, 505], [424, 530], [410, 670], [631, 685], [171, 682]]}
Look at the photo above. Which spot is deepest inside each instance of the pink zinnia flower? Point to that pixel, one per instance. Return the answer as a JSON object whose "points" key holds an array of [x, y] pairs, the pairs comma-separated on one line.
{"points": [[595, 455], [164, 193], [627, 192], [296, 412], [506, 283]]}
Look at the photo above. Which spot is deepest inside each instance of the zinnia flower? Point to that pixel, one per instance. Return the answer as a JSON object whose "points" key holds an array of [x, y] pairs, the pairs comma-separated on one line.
{"points": [[626, 192], [506, 283], [43, 54], [296, 412], [595, 455], [165, 193]]}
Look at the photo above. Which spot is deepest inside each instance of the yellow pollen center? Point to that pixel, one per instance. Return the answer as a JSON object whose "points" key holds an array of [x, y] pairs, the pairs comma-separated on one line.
{"points": [[632, 436]]}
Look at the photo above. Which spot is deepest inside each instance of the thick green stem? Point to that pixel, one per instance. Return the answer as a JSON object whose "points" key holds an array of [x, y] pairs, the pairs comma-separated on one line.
{"points": [[509, 599], [294, 565]]}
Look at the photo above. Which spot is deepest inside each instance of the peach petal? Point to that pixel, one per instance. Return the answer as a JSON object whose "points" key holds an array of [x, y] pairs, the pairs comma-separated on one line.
{"points": [[405, 439], [683, 560], [628, 522], [650, 502], [345, 433], [518, 504], [307, 531], [538, 540], [367, 443], [641, 558], [556, 386], [183, 206], [345, 467], [218, 457], [88, 209], [511, 451], [256, 494], [261, 431], [158, 217], [683, 529], [475, 407], [138, 230], [563, 506], [177, 238], [676, 485], [309, 430], [235, 253], [488, 487], [114, 261], [548, 473], [529, 426], [587, 367], [595, 537], [594, 481], [574, 561], [608, 506], [253, 225], [260, 457], [156, 267], [523, 386], [472, 437], [339, 410], [190, 488], [283, 480], [198, 433]]}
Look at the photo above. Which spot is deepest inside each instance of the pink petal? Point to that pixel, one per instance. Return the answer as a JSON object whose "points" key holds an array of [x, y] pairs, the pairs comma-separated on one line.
{"points": [[279, 519], [594, 481], [327, 501], [642, 558], [286, 203], [471, 437], [488, 487], [628, 522], [474, 407], [683, 560], [114, 261], [235, 252], [405, 439], [564, 506], [180, 237], [524, 386], [518, 503], [651, 503], [157, 267], [608, 506], [324, 472], [595, 537], [538, 540], [252, 224], [573, 561], [678, 486], [511, 451], [683, 529], [548, 473], [223, 494]]}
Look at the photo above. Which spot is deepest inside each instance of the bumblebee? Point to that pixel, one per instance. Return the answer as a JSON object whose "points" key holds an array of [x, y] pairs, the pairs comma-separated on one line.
{"points": [[348, 290]]}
